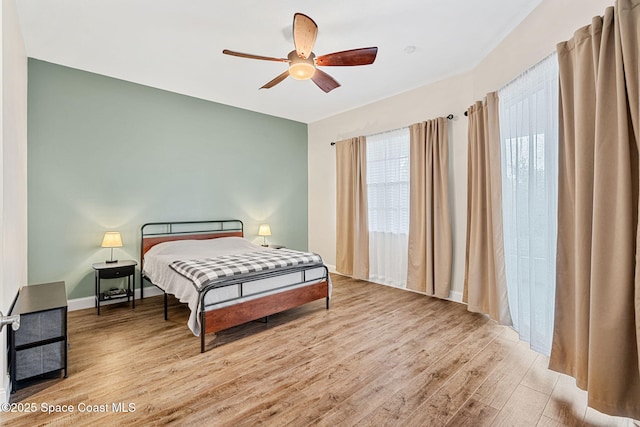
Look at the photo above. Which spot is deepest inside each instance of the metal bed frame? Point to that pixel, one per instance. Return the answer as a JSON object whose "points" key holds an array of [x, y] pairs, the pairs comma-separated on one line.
{"points": [[258, 307]]}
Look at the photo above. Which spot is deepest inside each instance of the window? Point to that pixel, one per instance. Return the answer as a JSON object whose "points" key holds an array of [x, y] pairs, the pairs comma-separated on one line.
{"points": [[529, 154], [388, 206]]}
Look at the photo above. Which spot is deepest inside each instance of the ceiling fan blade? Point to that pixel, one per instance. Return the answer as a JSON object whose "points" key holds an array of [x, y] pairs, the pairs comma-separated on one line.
{"points": [[324, 81], [250, 56], [277, 80], [305, 31], [362, 56]]}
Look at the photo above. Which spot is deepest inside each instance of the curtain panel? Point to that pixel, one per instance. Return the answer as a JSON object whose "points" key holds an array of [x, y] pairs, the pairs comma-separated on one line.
{"points": [[352, 229], [485, 289], [597, 319], [388, 206], [529, 148], [430, 244]]}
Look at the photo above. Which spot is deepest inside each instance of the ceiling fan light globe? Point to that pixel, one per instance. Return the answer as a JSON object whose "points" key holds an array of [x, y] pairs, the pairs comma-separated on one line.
{"points": [[302, 70]]}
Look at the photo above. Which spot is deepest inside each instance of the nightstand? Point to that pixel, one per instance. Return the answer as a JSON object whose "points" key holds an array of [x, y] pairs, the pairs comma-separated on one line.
{"points": [[277, 246], [115, 270]]}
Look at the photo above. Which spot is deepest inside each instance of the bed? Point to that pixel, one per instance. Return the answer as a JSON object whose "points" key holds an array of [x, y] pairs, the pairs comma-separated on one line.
{"points": [[223, 278]]}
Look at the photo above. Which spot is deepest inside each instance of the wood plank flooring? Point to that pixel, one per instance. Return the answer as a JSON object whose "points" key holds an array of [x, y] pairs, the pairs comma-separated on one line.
{"points": [[378, 357]]}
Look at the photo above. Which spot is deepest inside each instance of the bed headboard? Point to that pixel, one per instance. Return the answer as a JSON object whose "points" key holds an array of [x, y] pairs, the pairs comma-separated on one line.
{"points": [[153, 233]]}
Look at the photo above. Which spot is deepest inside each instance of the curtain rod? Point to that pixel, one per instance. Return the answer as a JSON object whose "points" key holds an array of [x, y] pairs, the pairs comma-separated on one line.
{"points": [[450, 117]]}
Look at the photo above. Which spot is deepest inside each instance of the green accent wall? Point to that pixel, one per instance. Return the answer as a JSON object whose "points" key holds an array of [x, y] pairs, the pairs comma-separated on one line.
{"points": [[105, 154]]}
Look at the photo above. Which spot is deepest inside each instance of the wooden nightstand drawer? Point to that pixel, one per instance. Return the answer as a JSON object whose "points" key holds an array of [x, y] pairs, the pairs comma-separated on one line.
{"points": [[114, 273]]}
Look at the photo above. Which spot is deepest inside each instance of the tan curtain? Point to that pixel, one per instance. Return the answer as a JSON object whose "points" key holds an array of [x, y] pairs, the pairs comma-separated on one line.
{"points": [[352, 230], [597, 323], [430, 246], [485, 286]]}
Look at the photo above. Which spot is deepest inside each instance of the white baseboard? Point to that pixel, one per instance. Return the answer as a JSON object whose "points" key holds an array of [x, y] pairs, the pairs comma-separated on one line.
{"points": [[455, 296], [89, 302], [5, 390]]}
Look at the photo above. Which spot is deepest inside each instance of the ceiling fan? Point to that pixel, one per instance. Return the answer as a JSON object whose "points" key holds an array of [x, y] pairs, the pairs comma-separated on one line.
{"points": [[303, 62]]}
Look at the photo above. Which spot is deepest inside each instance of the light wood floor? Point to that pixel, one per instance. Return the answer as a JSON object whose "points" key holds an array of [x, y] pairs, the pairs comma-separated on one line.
{"points": [[379, 357]]}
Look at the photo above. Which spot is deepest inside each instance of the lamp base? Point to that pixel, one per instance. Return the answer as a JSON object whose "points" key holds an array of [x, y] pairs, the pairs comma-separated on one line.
{"points": [[111, 261]]}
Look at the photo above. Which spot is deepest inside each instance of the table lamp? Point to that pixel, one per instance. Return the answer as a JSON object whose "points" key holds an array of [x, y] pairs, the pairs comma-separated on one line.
{"points": [[112, 239], [264, 230]]}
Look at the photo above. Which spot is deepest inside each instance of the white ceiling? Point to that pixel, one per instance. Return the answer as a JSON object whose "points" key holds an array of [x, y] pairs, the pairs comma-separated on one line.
{"points": [[177, 45]]}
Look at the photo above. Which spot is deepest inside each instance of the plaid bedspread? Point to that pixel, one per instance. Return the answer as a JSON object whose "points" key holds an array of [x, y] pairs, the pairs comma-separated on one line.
{"points": [[204, 271]]}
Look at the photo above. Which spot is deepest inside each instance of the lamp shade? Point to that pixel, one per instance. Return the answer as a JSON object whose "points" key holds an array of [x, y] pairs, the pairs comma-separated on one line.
{"points": [[112, 239], [264, 230]]}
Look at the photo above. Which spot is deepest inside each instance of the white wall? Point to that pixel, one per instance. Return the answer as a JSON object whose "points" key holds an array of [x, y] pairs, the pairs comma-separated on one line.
{"points": [[551, 22], [13, 177]]}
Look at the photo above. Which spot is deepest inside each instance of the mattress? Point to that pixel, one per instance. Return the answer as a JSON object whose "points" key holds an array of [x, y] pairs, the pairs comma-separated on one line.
{"points": [[157, 270]]}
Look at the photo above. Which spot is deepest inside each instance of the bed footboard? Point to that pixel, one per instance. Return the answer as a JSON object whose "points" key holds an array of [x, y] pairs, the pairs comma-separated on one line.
{"points": [[234, 315]]}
